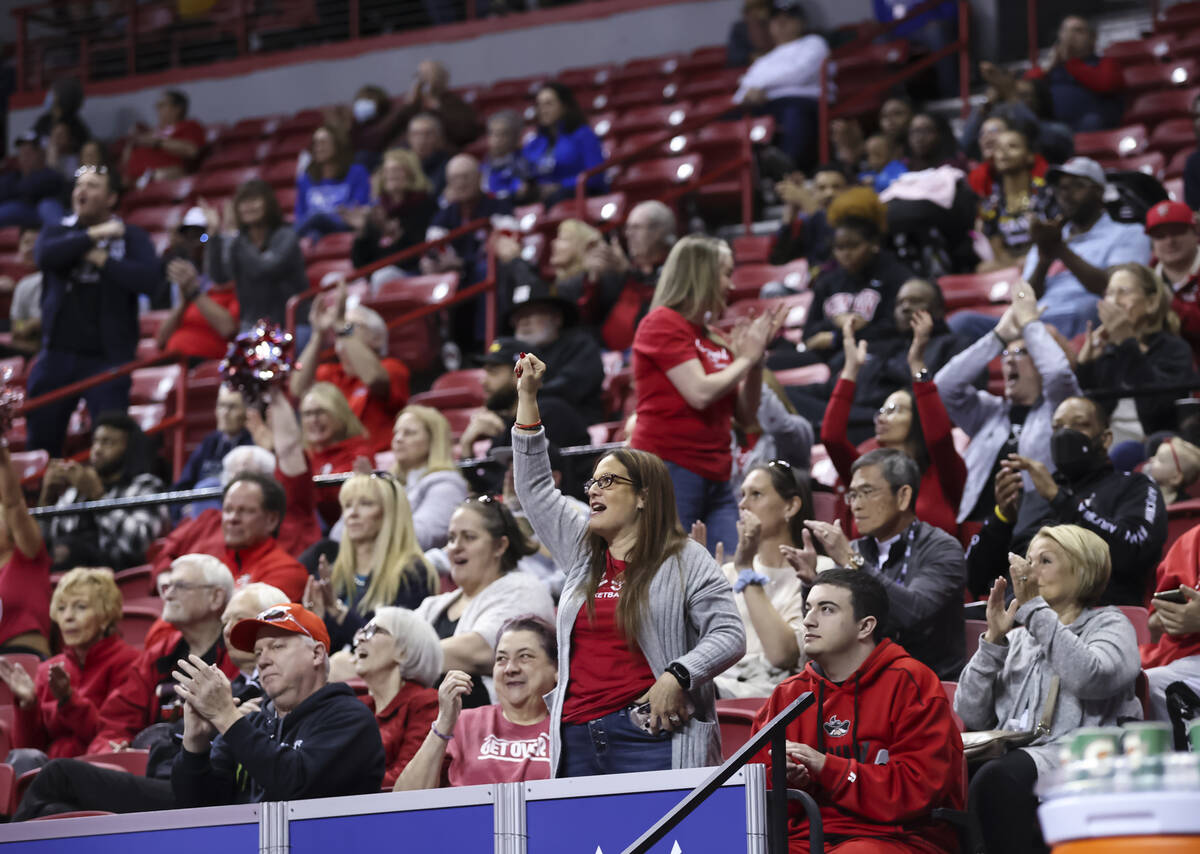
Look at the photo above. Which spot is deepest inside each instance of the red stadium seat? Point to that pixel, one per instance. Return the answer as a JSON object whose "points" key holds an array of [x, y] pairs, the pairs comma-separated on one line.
{"points": [[1118, 142], [973, 629], [30, 464], [454, 390], [753, 248], [1187, 44], [237, 154], [597, 209], [706, 84], [1153, 49], [1140, 618], [645, 68], [1177, 163], [280, 173], [1182, 516], [135, 582], [148, 415], [416, 291], [157, 217], [638, 94], [1157, 76], [1174, 188], [951, 688], [319, 270], [1156, 106], [585, 78], [703, 59], [331, 246], [974, 289], [136, 621], [652, 118], [1152, 163], [1172, 135], [305, 121], [749, 279], [159, 193], [150, 321], [652, 178], [602, 123], [736, 720], [223, 182], [153, 385], [10, 237], [290, 146]]}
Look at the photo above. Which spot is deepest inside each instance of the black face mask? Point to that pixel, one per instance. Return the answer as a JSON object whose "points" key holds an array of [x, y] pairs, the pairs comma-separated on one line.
{"points": [[1076, 454]]}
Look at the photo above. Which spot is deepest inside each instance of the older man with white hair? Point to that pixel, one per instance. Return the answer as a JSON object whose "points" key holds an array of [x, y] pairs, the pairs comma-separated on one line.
{"points": [[314, 740], [375, 386], [613, 292], [195, 591]]}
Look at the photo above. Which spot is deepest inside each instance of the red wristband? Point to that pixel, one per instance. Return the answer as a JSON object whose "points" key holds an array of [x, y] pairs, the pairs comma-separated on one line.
{"points": [[532, 426]]}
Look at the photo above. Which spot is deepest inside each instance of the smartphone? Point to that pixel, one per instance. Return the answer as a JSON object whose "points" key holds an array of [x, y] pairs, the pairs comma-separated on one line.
{"points": [[1177, 596], [639, 716]]}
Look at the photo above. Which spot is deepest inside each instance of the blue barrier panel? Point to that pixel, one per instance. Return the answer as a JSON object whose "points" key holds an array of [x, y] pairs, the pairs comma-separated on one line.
{"points": [[232, 830], [584, 815], [440, 820]]}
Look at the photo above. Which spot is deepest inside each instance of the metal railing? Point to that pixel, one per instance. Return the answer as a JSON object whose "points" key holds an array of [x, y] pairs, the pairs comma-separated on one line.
{"points": [[773, 733], [862, 96]]}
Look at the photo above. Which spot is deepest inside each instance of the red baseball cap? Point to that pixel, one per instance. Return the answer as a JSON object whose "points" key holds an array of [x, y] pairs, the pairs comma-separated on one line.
{"points": [[1169, 213], [290, 618]]}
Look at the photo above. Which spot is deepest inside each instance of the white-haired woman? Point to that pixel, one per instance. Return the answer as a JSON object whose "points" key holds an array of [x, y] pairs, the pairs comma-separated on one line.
{"points": [[1050, 653], [57, 711], [424, 463], [399, 656], [378, 564]]}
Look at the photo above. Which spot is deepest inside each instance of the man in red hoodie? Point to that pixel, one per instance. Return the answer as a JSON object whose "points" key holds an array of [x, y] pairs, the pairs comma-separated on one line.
{"points": [[880, 751], [1174, 654], [1084, 87]]}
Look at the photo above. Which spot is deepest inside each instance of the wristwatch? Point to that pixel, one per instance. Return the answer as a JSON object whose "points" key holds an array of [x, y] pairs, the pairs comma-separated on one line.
{"points": [[681, 673], [856, 561], [346, 331], [921, 376]]}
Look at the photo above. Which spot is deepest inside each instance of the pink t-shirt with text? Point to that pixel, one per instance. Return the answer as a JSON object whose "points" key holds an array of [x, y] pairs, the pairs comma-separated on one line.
{"points": [[488, 748]]}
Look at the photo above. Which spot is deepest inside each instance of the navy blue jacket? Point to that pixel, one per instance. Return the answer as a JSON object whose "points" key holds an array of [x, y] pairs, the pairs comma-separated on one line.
{"points": [[44, 183], [132, 268], [469, 246], [328, 745]]}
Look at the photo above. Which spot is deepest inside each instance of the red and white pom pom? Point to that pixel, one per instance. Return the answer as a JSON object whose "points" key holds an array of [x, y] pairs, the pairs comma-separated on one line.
{"points": [[12, 398], [258, 359]]}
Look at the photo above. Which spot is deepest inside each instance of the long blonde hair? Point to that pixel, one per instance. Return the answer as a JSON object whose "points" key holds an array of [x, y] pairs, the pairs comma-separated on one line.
{"points": [[441, 455], [418, 181], [331, 399], [691, 277], [1163, 318], [397, 560], [582, 235]]}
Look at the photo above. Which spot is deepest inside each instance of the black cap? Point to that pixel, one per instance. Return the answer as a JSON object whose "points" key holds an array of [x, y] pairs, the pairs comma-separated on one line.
{"points": [[540, 293], [788, 7], [503, 351]]}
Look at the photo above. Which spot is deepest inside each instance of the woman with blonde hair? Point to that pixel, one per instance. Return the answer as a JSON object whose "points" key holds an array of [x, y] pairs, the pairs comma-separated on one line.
{"points": [[57, 711], [333, 439], [1136, 347], [690, 382], [402, 206], [424, 464], [569, 247], [1050, 655], [379, 561]]}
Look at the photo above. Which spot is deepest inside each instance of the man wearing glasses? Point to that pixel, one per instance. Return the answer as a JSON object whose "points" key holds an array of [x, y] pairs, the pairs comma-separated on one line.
{"points": [[314, 740], [94, 267], [921, 567]]}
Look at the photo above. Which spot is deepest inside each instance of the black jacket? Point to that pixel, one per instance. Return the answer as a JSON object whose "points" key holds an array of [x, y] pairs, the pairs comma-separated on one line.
{"points": [[1167, 360], [574, 372], [328, 745], [871, 293], [1126, 510]]}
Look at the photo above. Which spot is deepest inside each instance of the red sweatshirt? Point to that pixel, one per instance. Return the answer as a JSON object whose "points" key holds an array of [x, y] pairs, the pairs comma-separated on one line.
{"points": [[403, 726], [1180, 566], [983, 177], [1104, 77], [269, 563], [66, 729], [942, 483], [892, 751], [338, 457], [146, 696]]}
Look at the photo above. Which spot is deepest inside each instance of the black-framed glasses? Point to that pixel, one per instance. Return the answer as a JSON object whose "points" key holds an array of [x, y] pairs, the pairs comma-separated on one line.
{"points": [[605, 481], [865, 493], [87, 169], [281, 614]]}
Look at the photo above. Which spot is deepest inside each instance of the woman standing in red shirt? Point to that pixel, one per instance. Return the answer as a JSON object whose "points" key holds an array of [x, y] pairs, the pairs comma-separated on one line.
{"points": [[57, 712], [24, 570], [689, 383], [913, 421]]}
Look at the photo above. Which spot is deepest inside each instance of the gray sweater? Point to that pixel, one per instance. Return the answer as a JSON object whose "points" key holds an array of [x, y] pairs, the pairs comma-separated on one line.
{"points": [[264, 280], [984, 416], [434, 496], [1095, 658], [785, 436], [692, 618]]}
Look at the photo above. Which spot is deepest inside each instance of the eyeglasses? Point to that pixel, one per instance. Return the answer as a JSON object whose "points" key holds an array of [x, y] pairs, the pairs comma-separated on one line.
{"points": [[91, 170], [369, 631], [864, 494], [605, 481], [1014, 352], [166, 585], [892, 409], [280, 614]]}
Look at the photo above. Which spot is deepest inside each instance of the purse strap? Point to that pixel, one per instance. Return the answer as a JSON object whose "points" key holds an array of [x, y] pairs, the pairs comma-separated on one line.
{"points": [[1043, 727]]}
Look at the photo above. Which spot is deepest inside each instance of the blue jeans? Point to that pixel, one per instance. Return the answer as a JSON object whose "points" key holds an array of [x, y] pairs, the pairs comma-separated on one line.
{"points": [[47, 425], [612, 745], [708, 501]]}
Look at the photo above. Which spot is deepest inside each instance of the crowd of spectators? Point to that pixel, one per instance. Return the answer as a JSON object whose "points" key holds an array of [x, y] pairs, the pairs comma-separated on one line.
{"points": [[497, 627]]}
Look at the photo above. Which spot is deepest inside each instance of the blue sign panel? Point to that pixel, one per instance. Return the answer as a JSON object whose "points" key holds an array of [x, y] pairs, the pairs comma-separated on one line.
{"points": [[453, 829], [608, 824], [232, 839]]}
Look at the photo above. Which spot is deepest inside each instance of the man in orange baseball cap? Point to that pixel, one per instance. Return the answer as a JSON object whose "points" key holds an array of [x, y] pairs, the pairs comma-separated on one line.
{"points": [[313, 740], [1175, 242]]}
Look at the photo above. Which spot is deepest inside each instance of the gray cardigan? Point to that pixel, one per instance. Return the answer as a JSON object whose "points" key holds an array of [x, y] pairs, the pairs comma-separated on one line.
{"points": [[1095, 658], [434, 496], [984, 416], [692, 619], [264, 280]]}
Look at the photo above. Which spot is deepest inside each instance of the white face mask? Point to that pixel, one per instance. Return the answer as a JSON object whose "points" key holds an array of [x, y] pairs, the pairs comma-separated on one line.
{"points": [[364, 110]]}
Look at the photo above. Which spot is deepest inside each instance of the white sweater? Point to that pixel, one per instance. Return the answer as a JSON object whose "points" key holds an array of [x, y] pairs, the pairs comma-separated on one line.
{"points": [[791, 70]]}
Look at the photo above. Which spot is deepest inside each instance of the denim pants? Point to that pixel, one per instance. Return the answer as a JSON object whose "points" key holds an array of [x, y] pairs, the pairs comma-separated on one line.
{"points": [[612, 745], [54, 369], [709, 501]]}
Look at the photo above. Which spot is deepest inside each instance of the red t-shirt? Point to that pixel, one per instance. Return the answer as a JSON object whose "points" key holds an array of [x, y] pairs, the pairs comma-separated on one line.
{"points": [[618, 328], [25, 595], [606, 672], [377, 413], [488, 748], [194, 336], [667, 426], [142, 159]]}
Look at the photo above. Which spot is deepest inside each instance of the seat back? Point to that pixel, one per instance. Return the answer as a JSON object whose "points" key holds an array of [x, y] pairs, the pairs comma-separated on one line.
{"points": [[974, 628], [1140, 618], [951, 688]]}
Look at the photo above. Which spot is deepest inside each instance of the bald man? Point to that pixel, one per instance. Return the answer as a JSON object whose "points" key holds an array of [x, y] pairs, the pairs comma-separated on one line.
{"points": [[462, 202]]}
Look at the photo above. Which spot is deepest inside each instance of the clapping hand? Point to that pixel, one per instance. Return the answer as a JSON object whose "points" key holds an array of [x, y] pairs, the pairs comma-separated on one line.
{"points": [[1116, 324], [855, 352], [802, 560], [19, 681], [206, 689], [1000, 618], [1024, 578], [1093, 344], [1047, 234], [833, 539], [922, 329], [1025, 306], [749, 530], [454, 687], [59, 681]]}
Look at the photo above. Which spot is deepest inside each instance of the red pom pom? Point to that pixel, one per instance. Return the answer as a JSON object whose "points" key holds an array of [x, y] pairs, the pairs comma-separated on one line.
{"points": [[257, 360]]}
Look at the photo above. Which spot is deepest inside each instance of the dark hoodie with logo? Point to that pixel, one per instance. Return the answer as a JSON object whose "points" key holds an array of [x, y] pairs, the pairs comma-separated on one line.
{"points": [[892, 752], [328, 745]]}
